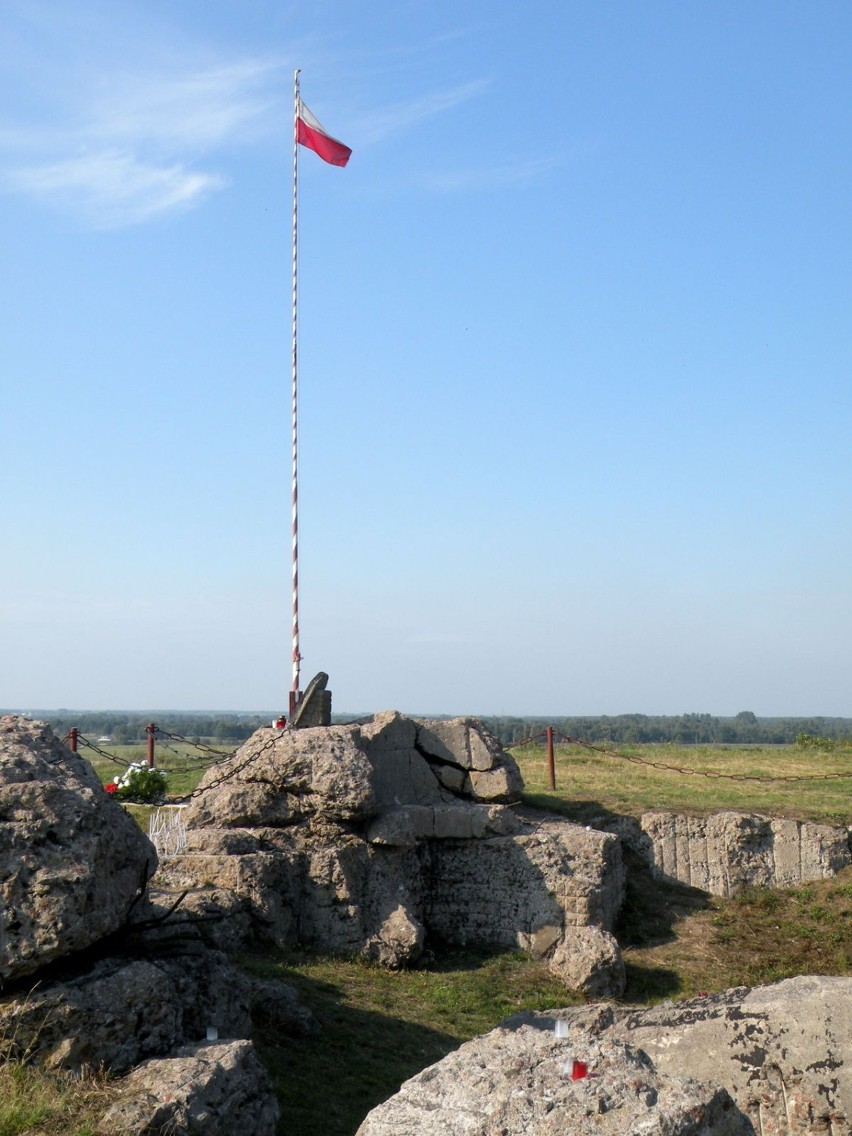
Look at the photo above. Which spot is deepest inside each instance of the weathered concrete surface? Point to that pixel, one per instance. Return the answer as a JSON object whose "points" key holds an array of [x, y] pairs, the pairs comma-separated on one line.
{"points": [[589, 959], [783, 1052], [346, 773], [72, 862], [579, 870], [462, 746], [206, 1089], [722, 852], [400, 773], [284, 777], [366, 838], [118, 1012], [73, 870], [532, 890], [772, 1061], [517, 1082], [404, 825]]}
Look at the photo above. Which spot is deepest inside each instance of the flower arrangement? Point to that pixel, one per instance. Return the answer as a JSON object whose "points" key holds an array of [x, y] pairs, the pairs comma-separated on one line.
{"points": [[138, 783]]}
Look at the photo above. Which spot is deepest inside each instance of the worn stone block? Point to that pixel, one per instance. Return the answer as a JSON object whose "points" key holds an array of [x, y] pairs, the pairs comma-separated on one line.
{"points": [[519, 1082], [401, 826], [72, 861], [459, 822], [495, 784], [381, 850], [206, 1089], [723, 852]]}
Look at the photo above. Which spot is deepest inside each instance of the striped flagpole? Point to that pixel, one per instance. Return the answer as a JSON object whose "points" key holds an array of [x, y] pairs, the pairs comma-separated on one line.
{"points": [[294, 689]]}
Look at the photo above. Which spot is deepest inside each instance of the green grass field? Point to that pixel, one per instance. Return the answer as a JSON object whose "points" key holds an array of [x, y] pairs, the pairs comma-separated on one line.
{"points": [[381, 1027], [591, 782]]}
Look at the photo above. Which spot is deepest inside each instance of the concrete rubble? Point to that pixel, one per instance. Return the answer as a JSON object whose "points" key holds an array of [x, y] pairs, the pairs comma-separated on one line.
{"points": [[77, 988], [723, 852], [207, 1089], [72, 862], [770, 1061], [374, 838], [369, 838]]}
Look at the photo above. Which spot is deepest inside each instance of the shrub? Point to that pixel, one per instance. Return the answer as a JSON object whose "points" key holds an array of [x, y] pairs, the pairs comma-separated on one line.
{"points": [[814, 741], [139, 783]]}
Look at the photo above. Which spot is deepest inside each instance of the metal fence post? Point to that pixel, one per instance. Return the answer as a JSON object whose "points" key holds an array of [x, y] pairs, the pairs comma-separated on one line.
{"points": [[551, 763], [73, 734], [151, 729]]}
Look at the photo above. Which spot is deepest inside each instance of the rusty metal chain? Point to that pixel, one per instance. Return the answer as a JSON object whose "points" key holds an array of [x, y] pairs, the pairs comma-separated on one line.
{"points": [[196, 745], [702, 772], [216, 782], [66, 741], [171, 749], [197, 792], [184, 757], [102, 752], [526, 741]]}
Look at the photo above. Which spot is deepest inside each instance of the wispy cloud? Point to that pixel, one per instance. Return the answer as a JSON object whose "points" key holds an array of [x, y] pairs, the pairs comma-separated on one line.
{"points": [[116, 148], [118, 123], [111, 189], [403, 115], [197, 110]]}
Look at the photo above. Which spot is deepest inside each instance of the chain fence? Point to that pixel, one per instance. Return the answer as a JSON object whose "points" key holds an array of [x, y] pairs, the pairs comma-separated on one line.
{"points": [[237, 768], [81, 740], [682, 769], [527, 741], [202, 747], [225, 757], [205, 751]]}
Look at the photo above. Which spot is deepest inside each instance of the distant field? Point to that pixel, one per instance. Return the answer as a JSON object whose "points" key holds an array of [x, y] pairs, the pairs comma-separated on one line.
{"points": [[590, 782]]}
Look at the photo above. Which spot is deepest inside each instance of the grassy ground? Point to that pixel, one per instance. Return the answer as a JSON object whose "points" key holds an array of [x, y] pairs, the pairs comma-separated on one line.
{"points": [[678, 942], [589, 782], [379, 1028], [34, 1103]]}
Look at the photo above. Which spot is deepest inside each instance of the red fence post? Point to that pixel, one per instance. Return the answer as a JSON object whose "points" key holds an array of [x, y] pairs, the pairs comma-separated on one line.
{"points": [[151, 729], [73, 734], [551, 764]]}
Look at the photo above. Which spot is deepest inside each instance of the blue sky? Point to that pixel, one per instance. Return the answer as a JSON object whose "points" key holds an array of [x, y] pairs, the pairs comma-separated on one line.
{"points": [[574, 355]]}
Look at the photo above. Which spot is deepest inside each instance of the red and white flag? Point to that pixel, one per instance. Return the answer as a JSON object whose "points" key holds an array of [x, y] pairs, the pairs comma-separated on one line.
{"points": [[311, 133]]}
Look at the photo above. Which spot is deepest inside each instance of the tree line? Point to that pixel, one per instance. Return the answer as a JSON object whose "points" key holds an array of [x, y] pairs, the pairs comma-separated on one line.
{"points": [[745, 728], [122, 728]]}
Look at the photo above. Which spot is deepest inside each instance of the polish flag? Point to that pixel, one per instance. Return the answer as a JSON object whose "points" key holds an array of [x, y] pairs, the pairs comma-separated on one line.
{"points": [[311, 133]]}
